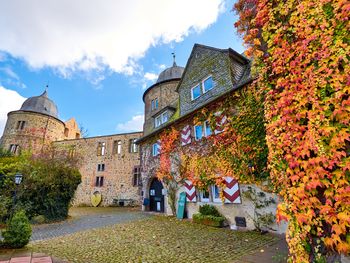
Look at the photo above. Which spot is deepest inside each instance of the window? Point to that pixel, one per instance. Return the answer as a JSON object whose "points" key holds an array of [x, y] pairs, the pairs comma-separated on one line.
{"points": [[215, 190], [101, 167], [158, 121], [66, 132], [155, 149], [117, 147], [204, 194], [20, 125], [14, 148], [133, 146], [136, 180], [198, 132], [207, 129], [99, 181], [71, 151], [161, 119], [154, 104], [195, 92], [101, 148], [203, 87], [201, 131], [207, 84]]}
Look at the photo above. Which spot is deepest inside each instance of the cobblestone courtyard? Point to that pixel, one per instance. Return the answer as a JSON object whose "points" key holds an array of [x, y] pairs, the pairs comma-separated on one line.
{"points": [[125, 235]]}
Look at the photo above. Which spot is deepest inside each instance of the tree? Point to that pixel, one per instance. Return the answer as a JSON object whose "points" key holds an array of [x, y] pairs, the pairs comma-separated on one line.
{"points": [[301, 57]]}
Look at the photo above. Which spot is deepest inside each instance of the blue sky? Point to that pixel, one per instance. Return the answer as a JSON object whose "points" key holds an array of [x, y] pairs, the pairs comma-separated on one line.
{"points": [[101, 83]]}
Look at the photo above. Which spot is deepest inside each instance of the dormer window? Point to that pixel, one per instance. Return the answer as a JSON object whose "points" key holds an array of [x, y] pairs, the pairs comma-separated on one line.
{"points": [[208, 84], [154, 104], [196, 92], [161, 119], [203, 87]]}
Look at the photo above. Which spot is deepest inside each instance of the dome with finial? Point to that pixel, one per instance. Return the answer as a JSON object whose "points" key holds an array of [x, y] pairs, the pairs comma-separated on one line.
{"points": [[174, 72], [41, 104]]}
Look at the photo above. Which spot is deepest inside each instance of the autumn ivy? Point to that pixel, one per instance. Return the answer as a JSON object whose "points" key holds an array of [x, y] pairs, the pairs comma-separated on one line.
{"points": [[301, 52]]}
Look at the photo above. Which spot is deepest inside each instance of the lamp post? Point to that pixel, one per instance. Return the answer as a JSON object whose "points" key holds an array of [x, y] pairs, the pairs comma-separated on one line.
{"points": [[18, 180]]}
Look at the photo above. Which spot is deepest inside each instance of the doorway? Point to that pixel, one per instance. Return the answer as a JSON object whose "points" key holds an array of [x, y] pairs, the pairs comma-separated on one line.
{"points": [[156, 196]]}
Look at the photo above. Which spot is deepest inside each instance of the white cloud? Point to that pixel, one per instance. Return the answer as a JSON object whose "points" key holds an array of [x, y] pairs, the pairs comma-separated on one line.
{"points": [[150, 76], [10, 100], [86, 34], [9, 72], [135, 124]]}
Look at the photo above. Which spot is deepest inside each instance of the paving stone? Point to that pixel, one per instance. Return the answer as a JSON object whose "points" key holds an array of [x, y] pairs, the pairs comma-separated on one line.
{"points": [[20, 260], [42, 260]]}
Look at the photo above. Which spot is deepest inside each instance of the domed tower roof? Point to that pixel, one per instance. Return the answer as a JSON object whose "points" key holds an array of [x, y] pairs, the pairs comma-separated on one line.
{"points": [[174, 72], [41, 104]]}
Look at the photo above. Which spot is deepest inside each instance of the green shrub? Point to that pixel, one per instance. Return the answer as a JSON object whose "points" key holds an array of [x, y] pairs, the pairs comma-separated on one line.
{"points": [[40, 219], [209, 210], [48, 185], [209, 220], [18, 231]]}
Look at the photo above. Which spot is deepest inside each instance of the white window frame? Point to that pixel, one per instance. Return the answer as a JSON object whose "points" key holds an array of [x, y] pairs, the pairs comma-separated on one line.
{"points": [[159, 120], [119, 147], [165, 113], [215, 200], [205, 125], [198, 85], [154, 104], [155, 149], [195, 132], [204, 199], [203, 88], [133, 148], [204, 130]]}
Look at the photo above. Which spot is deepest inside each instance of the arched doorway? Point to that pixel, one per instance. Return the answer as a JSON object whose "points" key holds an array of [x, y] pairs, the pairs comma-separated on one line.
{"points": [[156, 197]]}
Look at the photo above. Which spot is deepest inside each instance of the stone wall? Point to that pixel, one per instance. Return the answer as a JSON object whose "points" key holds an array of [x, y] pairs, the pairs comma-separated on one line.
{"points": [[166, 94], [38, 130], [118, 168], [245, 209]]}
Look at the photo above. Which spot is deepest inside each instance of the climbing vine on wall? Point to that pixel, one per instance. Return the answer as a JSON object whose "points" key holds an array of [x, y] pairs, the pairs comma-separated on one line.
{"points": [[301, 51], [238, 151]]}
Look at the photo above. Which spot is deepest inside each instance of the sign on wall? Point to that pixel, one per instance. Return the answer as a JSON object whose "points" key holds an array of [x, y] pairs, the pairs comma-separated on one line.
{"points": [[96, 198]]}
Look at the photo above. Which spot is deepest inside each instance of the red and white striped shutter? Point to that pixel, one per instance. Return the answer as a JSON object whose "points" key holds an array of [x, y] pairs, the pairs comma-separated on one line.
{"points": [[186, 135], [221, 120], [190, 191], [231, 191]]}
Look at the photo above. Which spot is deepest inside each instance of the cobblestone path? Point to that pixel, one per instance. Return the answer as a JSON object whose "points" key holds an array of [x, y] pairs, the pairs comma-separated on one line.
{"points": [[84, 219]]}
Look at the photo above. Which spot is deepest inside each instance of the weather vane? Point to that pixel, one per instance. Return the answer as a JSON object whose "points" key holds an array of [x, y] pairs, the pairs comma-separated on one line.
{"points": [[174, 63]]}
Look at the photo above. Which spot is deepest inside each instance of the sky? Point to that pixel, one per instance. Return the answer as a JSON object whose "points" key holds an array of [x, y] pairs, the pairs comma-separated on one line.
{"points": [[98, 57]]}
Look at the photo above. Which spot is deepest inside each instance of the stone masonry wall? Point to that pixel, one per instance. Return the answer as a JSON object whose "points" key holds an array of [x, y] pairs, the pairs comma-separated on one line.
{"points": [[39, 129], [118, 172], [166, 94]]}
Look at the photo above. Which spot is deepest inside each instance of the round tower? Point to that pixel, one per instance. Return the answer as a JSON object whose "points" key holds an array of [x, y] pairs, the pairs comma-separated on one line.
{"points": [[161, 98], [34, 125]]}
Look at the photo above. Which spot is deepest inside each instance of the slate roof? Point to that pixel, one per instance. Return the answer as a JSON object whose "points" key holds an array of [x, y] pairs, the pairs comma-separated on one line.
{"points": [[41, 104]]}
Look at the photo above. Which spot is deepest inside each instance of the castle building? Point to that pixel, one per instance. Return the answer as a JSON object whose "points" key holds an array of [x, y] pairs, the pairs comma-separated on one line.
{"points": [[36, 125], [109, 164], [210, 76]]}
